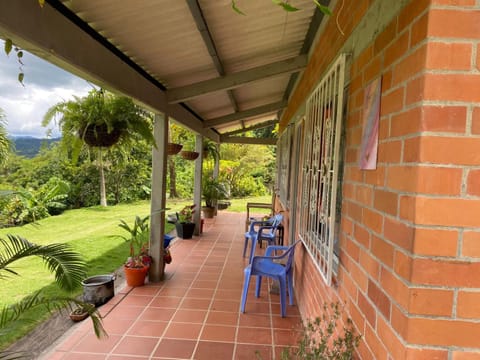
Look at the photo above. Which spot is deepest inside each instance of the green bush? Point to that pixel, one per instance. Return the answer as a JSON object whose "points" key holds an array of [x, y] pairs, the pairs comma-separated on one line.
{"points": [[13, 210], [323, 339], [248, 186]]}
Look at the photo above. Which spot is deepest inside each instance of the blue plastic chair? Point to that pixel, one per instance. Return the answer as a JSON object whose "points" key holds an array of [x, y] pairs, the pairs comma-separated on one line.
{"points": [[167, 239], [261, 230], [254, 228], [270, 266]]}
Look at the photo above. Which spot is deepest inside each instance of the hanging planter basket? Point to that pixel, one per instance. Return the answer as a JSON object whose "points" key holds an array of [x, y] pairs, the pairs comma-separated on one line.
{"points": [[189, 155], [173, 149], [98, 135]]}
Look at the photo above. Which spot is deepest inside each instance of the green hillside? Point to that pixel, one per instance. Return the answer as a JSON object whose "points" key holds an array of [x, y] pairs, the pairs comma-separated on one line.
{"points": [[29, 146]]}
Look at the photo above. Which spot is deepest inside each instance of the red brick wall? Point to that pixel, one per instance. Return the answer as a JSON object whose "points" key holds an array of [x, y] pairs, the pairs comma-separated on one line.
{"points": [[410, 243]]}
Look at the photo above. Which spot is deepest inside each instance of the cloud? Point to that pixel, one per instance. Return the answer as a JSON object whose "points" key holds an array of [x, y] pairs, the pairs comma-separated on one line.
{"points": [[45, 85]]}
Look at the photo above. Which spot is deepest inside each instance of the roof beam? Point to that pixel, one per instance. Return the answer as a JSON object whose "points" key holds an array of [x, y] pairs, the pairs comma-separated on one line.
{"points": [[233, 81], [250, 128], [248, 140], [205, 33], [245, 114], [66, 41], [202, 27], [313, 28]]}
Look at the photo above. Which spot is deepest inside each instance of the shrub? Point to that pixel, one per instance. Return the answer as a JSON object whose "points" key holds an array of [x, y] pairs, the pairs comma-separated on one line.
{"points": [[13, 211], [248, 186], [322, 338]]}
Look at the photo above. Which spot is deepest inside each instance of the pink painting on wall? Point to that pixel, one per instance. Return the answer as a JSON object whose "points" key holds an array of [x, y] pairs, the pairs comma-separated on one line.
{"points": [[371, 118]]}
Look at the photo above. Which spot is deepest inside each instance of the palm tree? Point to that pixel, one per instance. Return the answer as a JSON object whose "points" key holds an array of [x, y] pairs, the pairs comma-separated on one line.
{"points": [[5, 144], [63, 262]]}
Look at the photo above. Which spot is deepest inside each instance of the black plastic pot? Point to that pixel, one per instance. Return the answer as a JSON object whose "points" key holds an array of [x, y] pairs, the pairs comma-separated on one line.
{"points": [[185, 230], [98, 289]]}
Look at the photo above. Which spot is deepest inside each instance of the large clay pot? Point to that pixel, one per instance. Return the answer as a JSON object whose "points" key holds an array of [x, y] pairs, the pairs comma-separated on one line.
{"points": [[208, 212], [135, 276]]}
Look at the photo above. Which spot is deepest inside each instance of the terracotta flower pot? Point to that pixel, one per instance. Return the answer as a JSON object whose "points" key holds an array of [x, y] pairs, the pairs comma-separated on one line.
{"points": [[208, 212], [78, 316], [135, 276]]}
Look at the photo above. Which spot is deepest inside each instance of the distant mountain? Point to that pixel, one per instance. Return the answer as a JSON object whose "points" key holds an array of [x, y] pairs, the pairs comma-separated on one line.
{"points": [[29, 146]]}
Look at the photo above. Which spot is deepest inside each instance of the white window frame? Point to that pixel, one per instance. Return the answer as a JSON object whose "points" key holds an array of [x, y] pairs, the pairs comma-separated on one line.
{"points": [[320, 168]]}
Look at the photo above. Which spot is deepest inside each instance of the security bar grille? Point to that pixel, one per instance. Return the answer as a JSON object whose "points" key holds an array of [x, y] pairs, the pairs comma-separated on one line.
{"points": [[285, 156], [323, 128]]}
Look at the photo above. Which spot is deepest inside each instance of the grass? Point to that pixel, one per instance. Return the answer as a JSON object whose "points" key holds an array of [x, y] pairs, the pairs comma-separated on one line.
{"points": [[94, 233]]}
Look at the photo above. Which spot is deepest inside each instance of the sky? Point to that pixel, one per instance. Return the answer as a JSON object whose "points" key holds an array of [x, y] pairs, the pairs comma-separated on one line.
{"points": [[44, 85]]}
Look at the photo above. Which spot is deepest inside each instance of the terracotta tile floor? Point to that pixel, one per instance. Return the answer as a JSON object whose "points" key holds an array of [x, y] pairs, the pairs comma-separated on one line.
{"points": [[194, 313]]}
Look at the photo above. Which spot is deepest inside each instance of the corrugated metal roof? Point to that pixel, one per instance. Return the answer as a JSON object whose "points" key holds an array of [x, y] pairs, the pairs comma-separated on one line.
{"points": [[163, 38]]}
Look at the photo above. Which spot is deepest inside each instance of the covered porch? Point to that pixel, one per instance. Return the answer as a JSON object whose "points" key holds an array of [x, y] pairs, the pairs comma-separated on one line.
{"points": [[194, 313]]}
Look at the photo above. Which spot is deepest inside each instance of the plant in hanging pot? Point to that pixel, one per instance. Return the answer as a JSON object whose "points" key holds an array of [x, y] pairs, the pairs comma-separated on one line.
{"points": [[173, 149], [212, 191], [210, 150], [100, 119], [138, 263], [189, 155], [184, 224]]}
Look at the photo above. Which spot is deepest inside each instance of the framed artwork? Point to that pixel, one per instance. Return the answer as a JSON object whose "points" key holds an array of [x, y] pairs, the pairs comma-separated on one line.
{"points": [[371, 118]]}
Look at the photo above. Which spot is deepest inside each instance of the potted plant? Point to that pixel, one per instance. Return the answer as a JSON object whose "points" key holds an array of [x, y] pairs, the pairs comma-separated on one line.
{"points": [[212, 191], [189, 155], [100, 119], [81, 312], [184, 224], [210, 150], [138, 263], [173, 148]]}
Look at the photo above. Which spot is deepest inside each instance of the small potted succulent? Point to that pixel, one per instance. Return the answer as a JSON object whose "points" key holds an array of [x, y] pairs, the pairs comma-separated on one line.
{"points": [[138, 263], [184, 224]]}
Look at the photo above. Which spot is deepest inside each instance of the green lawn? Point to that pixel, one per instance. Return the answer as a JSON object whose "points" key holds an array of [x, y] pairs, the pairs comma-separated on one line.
{"points": [[94, 233]]}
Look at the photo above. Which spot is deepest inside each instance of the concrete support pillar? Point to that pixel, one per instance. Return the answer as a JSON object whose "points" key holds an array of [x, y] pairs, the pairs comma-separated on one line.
{"points": [[158, 201], [197, 186]]}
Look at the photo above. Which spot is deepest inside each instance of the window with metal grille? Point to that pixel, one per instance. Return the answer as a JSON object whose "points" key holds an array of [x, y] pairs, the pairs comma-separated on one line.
{"points": [[319, 215], [285, 155]]}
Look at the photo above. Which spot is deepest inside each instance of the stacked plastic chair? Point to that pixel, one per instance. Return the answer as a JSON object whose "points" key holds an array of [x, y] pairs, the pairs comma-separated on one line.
{"points": [[274, 267], [260, 231]]}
